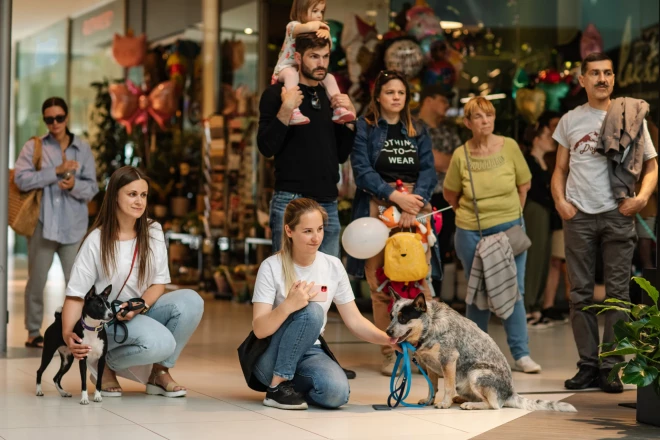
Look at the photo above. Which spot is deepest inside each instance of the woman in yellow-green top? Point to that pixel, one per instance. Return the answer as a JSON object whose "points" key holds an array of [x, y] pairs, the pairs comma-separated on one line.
{"points": [[501, 181]]}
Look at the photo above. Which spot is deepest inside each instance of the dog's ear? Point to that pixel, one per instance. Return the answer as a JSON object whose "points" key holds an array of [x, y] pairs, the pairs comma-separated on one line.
{"points": [[420, 303], [106, 291], [91, 292], [395, 296]]}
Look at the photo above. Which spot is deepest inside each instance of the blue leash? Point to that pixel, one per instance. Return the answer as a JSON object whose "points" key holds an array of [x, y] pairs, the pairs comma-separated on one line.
{"points": [[399, 393]]}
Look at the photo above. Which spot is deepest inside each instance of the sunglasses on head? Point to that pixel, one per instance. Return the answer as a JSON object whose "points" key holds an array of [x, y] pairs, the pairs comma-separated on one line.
{"points": [[49, 120], [316, 103]]}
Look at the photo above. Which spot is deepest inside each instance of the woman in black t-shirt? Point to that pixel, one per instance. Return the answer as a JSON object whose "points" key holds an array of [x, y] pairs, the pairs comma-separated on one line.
{"points": [[390, 147]]}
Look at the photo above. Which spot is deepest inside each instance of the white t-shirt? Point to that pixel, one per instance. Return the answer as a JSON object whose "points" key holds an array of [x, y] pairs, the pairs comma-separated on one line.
{"points": [[88, 269], [326, 270], [588, 185]]}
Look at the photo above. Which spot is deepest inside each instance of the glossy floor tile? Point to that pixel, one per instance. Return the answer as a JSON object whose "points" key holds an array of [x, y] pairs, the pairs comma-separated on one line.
{"points": [[219, 404]]}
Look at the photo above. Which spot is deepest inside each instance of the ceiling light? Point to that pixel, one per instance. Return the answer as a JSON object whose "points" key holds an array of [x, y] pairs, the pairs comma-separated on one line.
{"points": [[494, 97], [248, 31], [475, 79], [493, 73], [371, 13], [484, 86], [451, 24]]}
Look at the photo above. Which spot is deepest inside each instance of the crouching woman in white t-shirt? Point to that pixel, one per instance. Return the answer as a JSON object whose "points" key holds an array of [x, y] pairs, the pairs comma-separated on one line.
{"points": [[292, 295], [127, 250]]}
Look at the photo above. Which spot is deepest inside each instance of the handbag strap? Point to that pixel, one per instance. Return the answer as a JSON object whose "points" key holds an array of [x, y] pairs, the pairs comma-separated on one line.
{"points": [[474, 195], [37, 153]]}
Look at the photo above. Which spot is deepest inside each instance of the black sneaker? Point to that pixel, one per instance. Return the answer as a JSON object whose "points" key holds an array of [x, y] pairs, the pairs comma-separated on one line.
{"points": [[587, 377], [284, 396], [554, 315], [610, 386]]}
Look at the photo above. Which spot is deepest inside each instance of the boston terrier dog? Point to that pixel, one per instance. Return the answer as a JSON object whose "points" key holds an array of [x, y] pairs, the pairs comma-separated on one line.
{"points": [[91, 329]]}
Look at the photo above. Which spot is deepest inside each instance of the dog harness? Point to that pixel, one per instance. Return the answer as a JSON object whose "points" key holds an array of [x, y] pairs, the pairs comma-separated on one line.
{"points": [[400, 384]]}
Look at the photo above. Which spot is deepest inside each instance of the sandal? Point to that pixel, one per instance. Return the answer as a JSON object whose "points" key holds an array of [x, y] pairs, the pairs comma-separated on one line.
{"points": [[153, 389], [37, 342], [106, 385]]}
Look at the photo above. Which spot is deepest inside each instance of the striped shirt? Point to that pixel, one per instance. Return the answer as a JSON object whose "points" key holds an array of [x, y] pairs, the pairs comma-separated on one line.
{"points": [[493, 283]]}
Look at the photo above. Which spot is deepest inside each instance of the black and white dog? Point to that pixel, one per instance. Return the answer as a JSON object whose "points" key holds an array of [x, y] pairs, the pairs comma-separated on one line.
{"points": [[91, 329]]}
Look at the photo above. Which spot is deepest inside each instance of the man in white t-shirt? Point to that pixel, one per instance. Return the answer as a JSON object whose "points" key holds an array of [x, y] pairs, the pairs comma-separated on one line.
{"points": [[593, 218]]}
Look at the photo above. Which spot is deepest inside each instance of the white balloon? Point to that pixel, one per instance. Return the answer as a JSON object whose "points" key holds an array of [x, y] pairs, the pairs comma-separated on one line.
{"points": [[365, 237]]}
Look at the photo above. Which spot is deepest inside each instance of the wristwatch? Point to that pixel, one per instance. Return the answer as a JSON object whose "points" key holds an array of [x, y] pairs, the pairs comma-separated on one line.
{"points": [[145, 309]]}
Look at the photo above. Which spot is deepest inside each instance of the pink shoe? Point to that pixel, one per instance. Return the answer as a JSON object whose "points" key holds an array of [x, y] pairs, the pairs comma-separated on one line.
{"points": [[341, 116], [298, 118]]}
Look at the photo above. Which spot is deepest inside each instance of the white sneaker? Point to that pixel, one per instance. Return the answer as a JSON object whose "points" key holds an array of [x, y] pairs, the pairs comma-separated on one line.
{"points": [[527, 365], [298, 118]]}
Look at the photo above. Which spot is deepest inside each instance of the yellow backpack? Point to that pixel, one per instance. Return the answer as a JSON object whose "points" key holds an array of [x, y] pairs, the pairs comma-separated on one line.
{"points": [[405, 259]]}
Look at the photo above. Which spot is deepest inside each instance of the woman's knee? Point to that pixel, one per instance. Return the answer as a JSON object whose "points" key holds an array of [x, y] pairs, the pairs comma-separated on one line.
{"points": [[158, 346], [335, 394], [189, 303], [313, 313]]}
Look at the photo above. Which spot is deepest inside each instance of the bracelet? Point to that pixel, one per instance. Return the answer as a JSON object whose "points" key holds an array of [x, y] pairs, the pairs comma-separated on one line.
{"points": [[145, 309]]}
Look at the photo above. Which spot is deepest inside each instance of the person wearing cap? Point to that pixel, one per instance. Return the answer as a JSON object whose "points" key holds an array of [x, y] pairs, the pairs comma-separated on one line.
{"points": [[434, 102]]}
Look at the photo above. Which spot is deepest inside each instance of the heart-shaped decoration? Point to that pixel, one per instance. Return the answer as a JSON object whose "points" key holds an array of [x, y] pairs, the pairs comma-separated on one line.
{"points": [[530, 104]]}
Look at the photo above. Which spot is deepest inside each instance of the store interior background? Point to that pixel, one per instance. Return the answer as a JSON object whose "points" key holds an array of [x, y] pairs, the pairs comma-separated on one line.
{"points": [[212, 193]]}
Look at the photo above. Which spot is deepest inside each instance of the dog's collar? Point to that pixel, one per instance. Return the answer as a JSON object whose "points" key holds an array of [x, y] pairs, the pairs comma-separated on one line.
{"points": [[92, 329]]}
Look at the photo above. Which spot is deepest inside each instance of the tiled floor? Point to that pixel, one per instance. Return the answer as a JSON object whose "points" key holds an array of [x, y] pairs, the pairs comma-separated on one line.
{"points": [[219, 404]]}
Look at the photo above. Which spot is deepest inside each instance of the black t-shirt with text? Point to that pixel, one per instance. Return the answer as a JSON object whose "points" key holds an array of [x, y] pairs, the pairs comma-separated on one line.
{"points": [[399, 158]]}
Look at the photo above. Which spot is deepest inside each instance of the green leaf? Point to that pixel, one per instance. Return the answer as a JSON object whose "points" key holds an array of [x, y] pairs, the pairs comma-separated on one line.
{"points": [[606, 308], [648, 288], [640, 310], [623, 329], [623, 347], [638, 373], [619, 301], [654, 322], [615, 370]]}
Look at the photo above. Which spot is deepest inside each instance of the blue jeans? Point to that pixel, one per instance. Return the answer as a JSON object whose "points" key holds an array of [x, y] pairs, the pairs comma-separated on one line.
{"points": [[515, 325], [293, 356], [158, 336], [278, 204]]}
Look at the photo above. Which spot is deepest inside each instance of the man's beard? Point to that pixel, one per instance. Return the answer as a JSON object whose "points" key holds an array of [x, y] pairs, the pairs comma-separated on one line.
{"points": [[309, 74]]}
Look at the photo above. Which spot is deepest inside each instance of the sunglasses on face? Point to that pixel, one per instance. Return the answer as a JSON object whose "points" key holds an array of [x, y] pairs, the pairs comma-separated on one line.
{"points": [[49, 120], [316, 103]]}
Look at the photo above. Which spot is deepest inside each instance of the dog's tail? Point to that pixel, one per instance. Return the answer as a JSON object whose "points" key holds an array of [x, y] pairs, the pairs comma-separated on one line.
{"points": [[517, 401]]}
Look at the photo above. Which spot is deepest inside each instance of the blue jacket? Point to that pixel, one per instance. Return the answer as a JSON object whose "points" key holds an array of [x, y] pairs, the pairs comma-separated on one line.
{"points": [[369, 141]]}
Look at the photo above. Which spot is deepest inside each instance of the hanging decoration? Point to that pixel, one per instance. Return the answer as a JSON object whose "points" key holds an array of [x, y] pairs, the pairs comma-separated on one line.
{"points": [[131, 106], [404, 56], [591, 41], [520, 80], [530, 104], [129, 51]]}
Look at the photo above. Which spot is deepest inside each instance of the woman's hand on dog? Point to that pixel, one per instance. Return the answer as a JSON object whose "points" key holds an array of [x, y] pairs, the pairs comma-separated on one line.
{"points": [[74, 342], [299, 295]]}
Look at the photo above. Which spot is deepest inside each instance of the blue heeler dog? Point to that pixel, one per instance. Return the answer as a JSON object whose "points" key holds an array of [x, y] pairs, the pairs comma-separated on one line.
{"points": [[476, 373]]}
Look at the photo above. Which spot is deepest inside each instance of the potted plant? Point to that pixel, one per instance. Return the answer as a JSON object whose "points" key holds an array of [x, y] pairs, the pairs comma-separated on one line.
{"points": [[640, 337]]}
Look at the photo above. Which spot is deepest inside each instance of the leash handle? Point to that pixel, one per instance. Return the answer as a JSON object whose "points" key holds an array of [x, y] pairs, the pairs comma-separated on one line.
{"points": [[400, 394]]}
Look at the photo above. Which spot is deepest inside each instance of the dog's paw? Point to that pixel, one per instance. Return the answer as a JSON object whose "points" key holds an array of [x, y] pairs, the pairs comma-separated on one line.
{"points": [[444, 404], [85, 398], [471, 405], [426, 402], [97, 396], [39, 392]]}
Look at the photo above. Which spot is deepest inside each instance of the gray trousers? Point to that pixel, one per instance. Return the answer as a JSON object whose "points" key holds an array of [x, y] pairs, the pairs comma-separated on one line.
{"points": [[40, 258], [617, 237]]}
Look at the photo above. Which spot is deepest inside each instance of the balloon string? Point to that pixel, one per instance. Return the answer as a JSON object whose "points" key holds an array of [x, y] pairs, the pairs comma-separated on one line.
{"points": [[434, 212]]}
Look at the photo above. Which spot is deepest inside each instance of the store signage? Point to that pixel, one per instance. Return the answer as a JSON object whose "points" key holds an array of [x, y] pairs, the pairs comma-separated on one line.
{"points": [[98, 23], [638, 60]]}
